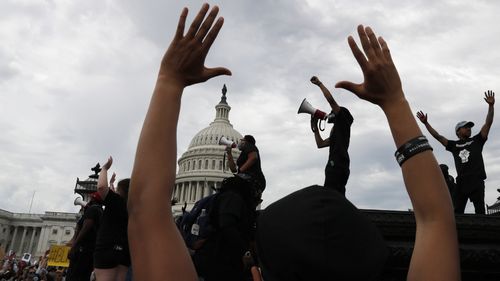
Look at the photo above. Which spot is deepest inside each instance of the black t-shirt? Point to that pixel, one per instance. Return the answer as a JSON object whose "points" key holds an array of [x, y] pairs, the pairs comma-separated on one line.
{"points": [[113, 228], [339, 139], [94, 213], [255, 170], [468, 157]]}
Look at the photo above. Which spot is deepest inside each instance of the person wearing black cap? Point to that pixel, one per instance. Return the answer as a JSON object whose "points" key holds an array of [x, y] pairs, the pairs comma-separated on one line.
{"points": [[337, 169], [248, 165], [468, 155]]}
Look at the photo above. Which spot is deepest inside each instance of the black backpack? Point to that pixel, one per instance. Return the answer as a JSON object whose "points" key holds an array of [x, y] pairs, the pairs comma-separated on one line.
{"points": [[197, 225]]}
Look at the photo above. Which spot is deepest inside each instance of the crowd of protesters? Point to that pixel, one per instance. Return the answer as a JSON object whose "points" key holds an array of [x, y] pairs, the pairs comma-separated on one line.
{"points": [[18, 269]]}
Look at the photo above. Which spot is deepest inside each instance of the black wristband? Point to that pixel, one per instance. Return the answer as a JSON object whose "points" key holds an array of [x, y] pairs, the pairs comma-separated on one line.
{"points": [[411, 148]]}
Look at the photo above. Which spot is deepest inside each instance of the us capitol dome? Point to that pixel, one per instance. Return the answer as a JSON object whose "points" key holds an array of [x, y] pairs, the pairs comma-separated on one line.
{"points": [[203, 166]]}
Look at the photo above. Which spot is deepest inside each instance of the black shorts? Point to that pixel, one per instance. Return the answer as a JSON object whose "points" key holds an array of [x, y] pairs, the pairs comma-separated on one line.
{"points": [[80, 266], [112, 257]]}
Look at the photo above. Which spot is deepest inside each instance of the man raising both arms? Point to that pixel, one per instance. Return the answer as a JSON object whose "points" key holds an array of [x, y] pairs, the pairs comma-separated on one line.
{"points": [[337, 168], [467, 153]]}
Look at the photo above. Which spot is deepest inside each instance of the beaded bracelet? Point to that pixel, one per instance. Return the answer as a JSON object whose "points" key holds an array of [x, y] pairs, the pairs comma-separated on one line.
{"points": [[411, 148]]}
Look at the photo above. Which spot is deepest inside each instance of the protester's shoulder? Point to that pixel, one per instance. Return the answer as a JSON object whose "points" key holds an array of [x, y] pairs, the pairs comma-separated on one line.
{"points": [[94, 211], [479, 137], [251, 148], [346, 114]]}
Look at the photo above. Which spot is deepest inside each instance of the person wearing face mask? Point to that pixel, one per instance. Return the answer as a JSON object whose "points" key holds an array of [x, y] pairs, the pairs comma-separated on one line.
{"points": [[468, 155]]}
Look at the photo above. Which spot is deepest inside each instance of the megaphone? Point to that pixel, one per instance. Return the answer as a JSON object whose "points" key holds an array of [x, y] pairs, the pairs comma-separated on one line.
{"points": [[306, 107], [224, 141], [79, 202]]}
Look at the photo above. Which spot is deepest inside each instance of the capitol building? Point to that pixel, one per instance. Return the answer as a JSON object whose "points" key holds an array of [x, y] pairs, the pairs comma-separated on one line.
{"points": [[203, 166]]}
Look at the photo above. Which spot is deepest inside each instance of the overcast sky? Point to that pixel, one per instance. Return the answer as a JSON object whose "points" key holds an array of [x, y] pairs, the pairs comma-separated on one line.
{"points": [[76, 78]]}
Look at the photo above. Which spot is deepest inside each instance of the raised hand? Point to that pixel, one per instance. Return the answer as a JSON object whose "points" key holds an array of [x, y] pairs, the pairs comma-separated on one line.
{"points": [[422, 116], [184, 60], [108, 163], [315, 80], [381, 83], [489, 97], [113, 178]]}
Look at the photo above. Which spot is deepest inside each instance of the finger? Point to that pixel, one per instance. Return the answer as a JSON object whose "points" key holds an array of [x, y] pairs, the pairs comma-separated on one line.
{"points": [[385, 50], [182, 23], [351, 87], [360, 57], [212, 35], [205, 27], [197, 21], [216, 71], [365, 42], [373, 42]]}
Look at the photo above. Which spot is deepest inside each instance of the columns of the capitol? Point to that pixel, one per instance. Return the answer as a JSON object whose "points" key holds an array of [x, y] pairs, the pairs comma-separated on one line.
{"points": [[42, 242], [206, 189], [198, 191], [181, 193], [31, 240], [22, 241], [13, 241]]}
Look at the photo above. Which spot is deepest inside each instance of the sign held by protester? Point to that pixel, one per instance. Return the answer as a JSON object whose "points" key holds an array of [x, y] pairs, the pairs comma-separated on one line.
{"points": [[58, 256]]}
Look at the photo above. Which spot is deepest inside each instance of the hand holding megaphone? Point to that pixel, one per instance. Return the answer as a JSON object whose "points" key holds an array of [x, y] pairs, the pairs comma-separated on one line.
{"points": [[224, 141], [316, 114]]}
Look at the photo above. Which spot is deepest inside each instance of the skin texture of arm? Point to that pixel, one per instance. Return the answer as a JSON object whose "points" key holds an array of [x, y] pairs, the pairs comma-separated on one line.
{"points": [[423, 118], [102, 182], [489, 97], [320, 142], [112, 182], [252, 157], [326, 93], [230, 160], [86, 227], [435, 255], [151, 229]]}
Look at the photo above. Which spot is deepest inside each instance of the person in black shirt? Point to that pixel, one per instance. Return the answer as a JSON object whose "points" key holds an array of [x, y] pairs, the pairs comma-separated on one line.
{"points": [[337, 169], [112, 256], [450, 181], [467, 153], [82, 249], [248, 164]]}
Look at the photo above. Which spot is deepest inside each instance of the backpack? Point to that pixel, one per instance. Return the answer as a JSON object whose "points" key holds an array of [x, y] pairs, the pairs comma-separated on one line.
{"points": [[195, 226]]}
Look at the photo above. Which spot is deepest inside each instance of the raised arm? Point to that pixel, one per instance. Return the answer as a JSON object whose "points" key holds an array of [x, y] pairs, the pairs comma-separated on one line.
{"points": [[230, 159], [152, 231], [489, 97], [326, 93], [320, 142], [112, 182], [423, 118], [102, 182], [435, 255]]}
